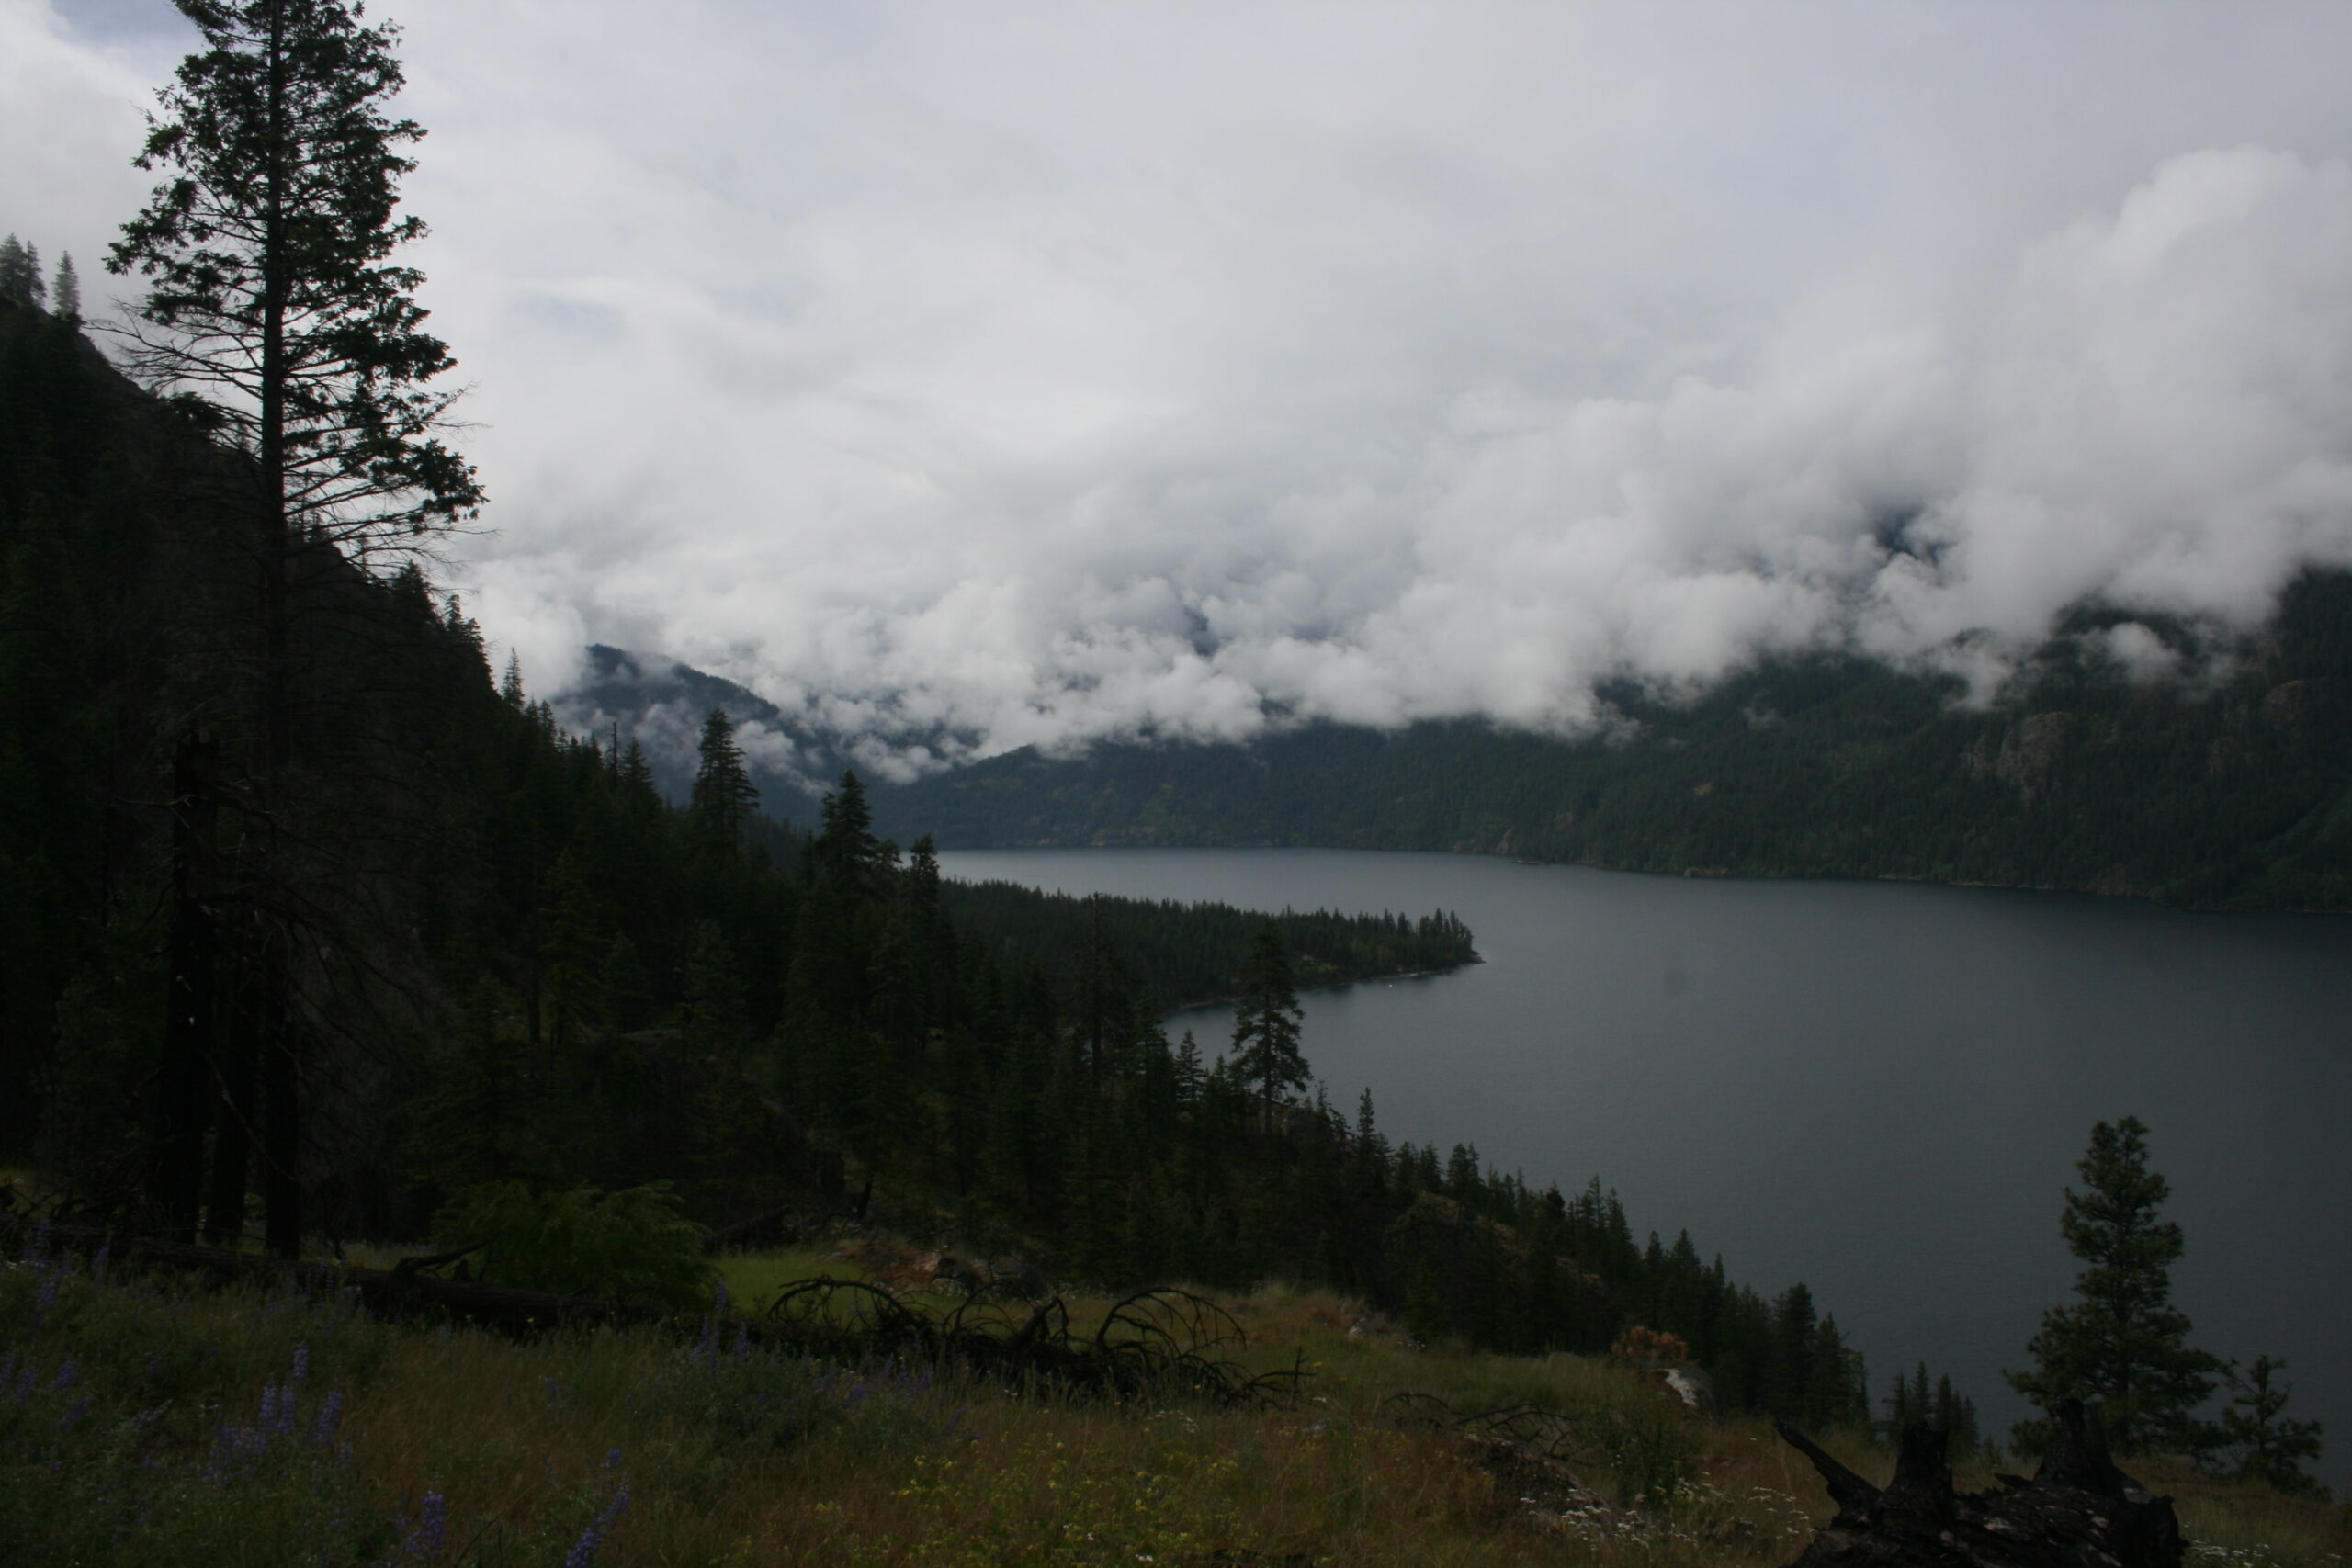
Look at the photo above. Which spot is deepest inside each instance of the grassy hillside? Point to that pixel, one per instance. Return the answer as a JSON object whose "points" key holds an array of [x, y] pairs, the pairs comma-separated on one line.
{"points": [[153, 1423], [456, 955]]}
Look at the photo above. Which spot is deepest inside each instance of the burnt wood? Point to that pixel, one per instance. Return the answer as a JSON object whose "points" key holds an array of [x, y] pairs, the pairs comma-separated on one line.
{"points": [[2078, 1511]]}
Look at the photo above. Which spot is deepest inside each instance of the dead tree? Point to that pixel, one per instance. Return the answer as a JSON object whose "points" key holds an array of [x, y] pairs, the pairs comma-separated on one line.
{"points": [[2078, 1511]]}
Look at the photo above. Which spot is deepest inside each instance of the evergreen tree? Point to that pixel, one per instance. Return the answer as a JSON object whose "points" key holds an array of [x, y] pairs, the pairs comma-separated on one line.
{"points": [[1956, 1414], [636, 776], [1266, 1024], [845, 848], [572, 946], [66, 292], [274, 317], [20, 274], [2271, 1446], [2122, 1340], [723, 797], [1788, 1366], [271, 292]]}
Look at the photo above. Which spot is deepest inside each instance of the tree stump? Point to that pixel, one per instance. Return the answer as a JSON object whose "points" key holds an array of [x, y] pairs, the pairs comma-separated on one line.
{"points": [[2078, 1511]]}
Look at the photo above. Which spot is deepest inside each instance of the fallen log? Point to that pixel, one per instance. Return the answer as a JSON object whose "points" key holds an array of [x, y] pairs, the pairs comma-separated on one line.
{"points": [[403, 1290], [2078, 1511], [1158, 1344]]}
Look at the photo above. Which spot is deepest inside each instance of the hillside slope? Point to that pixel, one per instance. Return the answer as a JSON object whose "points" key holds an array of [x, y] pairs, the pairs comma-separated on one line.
{"points": [[2229, 788]]}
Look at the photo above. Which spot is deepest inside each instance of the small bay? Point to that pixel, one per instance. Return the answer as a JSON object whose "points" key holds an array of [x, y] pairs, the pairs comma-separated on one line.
{"points": [[1879, 1088]]}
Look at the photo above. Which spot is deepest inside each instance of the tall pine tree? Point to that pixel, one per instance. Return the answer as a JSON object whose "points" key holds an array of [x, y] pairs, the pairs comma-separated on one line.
{"points": [[724, 798], [1266, 1024], [2121, 1340], [274, 316]]}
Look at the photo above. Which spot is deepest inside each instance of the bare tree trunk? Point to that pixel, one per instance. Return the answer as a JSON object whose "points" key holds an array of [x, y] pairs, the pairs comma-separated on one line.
{"points": [[234, 1054], [185, 1089], [281, 1137], [281, 1131]]}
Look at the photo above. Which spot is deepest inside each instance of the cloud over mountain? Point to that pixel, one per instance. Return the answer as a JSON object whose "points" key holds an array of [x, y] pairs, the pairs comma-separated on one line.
{"points": [[983, 377]]}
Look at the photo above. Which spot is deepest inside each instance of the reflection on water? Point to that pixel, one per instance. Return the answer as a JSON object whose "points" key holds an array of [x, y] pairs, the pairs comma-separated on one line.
{"points": [[1877, 1088]]}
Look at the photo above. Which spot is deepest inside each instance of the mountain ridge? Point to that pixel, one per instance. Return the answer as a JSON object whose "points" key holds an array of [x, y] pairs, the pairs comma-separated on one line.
{"points": [[2224, 784]]}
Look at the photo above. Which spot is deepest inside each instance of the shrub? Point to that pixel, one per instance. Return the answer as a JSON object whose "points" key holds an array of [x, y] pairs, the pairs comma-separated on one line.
{"points": [[630, 1245], [753, 1400], [1647, 1444]]}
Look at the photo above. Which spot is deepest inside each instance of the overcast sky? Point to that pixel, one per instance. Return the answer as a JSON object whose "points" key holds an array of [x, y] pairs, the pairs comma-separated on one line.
{"points": [[1045, 371]]}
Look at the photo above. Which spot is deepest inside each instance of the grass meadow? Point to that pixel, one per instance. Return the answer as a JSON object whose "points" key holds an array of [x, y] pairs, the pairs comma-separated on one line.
{"points": [[149, 1421]]}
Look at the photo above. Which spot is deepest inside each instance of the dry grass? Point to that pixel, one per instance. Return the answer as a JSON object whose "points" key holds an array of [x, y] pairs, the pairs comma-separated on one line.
{"points": [[527, 1443]]}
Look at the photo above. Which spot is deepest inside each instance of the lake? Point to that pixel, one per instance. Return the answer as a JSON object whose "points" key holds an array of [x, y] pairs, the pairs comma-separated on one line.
{"points": [[1879, 1088]]}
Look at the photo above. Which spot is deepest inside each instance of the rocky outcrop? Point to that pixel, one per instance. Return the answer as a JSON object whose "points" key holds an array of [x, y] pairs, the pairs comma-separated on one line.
{"points": [[2030, 755]]}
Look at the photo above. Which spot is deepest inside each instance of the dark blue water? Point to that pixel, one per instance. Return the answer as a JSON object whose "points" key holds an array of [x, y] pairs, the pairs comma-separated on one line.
{"points": [[1879, 1088]]}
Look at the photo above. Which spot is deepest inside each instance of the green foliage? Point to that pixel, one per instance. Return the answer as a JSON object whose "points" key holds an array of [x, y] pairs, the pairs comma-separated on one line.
{"points": [[724, 799], [745, 1401], [137, 1430], [630, 1245], [1266, 1024], [1041, 1507], [82, 1489], [583, 1002], [2122, 1341], [1938, 1404], [20, 278], [1177, 955], [2271, 1446], [67, 290], [270, 290], [1648, 1445]]}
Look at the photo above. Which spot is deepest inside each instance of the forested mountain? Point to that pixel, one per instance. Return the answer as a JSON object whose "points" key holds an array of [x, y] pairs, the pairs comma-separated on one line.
{"points": [[2228, 784], [449, 945], [662, 703]]}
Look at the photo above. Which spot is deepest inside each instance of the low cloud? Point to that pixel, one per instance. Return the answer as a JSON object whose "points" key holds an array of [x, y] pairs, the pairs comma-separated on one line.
{"points": [[1182, 369]]}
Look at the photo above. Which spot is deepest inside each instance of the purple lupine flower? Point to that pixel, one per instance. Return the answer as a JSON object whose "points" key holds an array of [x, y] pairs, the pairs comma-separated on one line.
{"points": [[329, 1419], [69, 1373], [425, 1543], [301, 1367], [612, 1459], [74, 1414], [48, 1296], [25, 1383], [583, 1550]]}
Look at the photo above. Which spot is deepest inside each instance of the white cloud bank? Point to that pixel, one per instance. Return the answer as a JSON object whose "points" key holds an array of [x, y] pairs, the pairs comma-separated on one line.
{"points": [[1041, 372]]}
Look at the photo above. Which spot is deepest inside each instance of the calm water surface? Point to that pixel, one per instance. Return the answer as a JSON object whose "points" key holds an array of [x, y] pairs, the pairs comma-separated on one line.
{"points": [[1879, 1088]]}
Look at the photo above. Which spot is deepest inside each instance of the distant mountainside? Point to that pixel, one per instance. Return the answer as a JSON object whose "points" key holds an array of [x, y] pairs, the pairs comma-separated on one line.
{"points": [[663, 703], [2226, 786], [2227, 783]]}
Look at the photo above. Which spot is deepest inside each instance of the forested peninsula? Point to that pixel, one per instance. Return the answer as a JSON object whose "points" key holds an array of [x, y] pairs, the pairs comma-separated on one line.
{"points": [[508, 965], [424, 1140]]}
